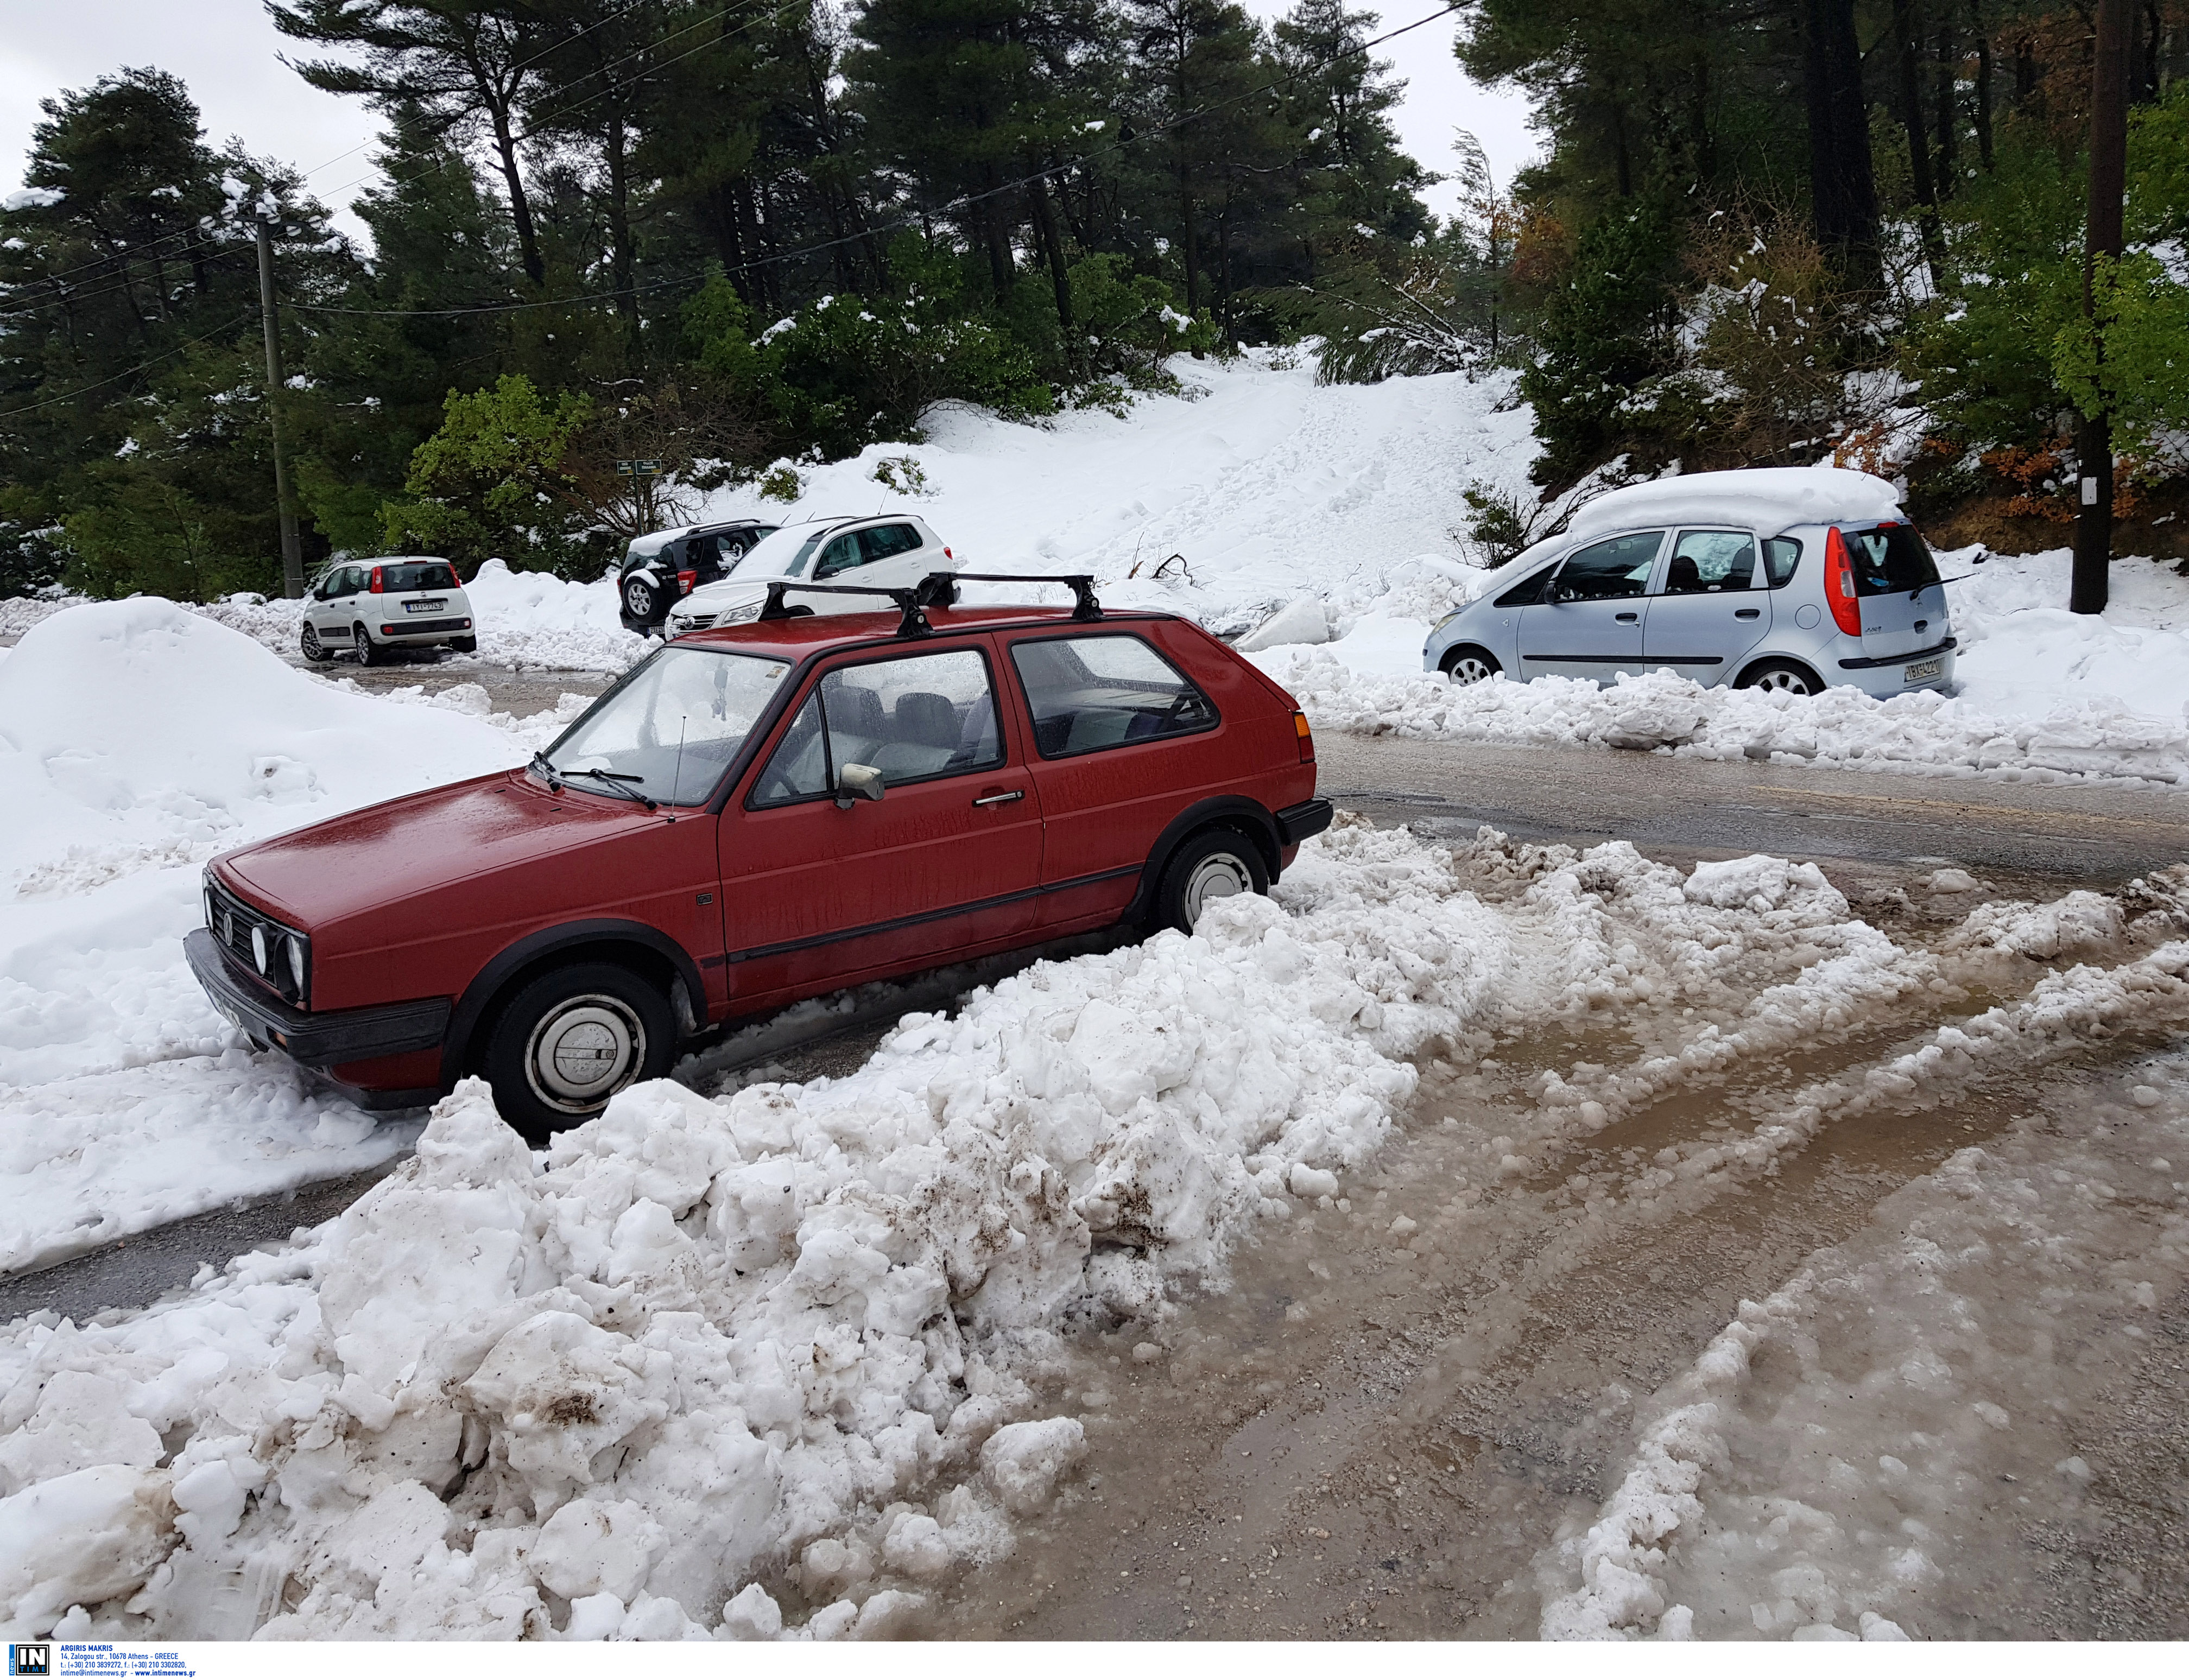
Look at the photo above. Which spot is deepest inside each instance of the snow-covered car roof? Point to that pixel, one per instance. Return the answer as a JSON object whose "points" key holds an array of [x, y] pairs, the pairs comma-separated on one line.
{"points": [[1763, 498]]}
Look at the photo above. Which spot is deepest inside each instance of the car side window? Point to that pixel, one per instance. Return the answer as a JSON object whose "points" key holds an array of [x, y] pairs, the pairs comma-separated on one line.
{"points": [[840, 557], [913, 719], [1610, 570], [885, 542], [1706, 563], [1781, 554], [1529, 591], [1088, 692]]}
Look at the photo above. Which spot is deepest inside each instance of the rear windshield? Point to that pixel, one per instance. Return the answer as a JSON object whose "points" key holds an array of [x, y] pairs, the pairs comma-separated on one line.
{"points": [[426, 574], [1890, 560]]}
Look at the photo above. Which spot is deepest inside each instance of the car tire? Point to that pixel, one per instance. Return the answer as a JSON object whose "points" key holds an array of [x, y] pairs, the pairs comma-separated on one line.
{"points": [[638, 600], [1782, 675], [570, 1040], [463, 644], [1214, 864], [314, 650], [367, 655], [1467, 664]]}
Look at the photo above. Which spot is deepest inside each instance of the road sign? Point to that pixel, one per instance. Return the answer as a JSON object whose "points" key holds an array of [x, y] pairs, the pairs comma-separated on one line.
{"points": [[639, 469]]}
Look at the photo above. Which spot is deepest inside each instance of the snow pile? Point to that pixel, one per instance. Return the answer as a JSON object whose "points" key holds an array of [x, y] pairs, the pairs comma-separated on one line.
{"points": [[1924, 1383], [534, 619], [1924, 733], [2024, 654], [136, 740], [707, 1358]]}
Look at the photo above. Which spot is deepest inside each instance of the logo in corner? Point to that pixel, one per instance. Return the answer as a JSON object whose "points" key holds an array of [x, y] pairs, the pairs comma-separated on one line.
{"points": [[36, 1660]]}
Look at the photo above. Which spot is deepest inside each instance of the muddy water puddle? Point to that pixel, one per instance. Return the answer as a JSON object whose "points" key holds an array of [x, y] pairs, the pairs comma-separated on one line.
{"points": [[1375, 1433]]}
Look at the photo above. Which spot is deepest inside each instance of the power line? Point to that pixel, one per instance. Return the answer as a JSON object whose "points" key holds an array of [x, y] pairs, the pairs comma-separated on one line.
{"points": [[127, 373]]}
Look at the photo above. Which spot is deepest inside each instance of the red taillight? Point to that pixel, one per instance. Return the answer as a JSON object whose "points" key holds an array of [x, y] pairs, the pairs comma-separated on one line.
{"points": [[948, 555], [1839, 584], [378, 587], [1306, 738], [686, 582]]}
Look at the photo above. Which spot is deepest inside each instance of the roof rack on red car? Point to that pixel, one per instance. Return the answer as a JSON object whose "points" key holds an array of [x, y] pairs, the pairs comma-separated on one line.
{"points": [[908, 601], [935, 588]]}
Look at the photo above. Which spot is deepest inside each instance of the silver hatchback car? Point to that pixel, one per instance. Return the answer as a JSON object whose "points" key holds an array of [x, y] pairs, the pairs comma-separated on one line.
{"points": [[1787, 578]]}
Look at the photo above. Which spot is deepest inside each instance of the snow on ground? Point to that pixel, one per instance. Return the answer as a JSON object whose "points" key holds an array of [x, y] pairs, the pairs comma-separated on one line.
{"points": [[136, 740], [692, 1366], [1908, 1400]]}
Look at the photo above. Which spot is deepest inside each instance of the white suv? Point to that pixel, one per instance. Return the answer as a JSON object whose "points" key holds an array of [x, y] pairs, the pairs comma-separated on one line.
{"points": [[886, 551], [375, 607]]}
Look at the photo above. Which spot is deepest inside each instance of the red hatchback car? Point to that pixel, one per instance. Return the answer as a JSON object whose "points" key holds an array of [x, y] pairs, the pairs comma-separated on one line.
{"points": [[754, 815]]}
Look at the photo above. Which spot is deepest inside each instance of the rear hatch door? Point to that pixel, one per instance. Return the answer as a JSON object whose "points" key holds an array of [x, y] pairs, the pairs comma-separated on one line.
{"points": [[1896, 585]]}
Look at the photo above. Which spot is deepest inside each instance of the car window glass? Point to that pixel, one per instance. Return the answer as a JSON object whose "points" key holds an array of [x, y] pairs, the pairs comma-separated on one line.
{"points": [[1529, 591], [1781, 554], [426, 574], [885, 542], [354, 580], [1704, 562], [912, 719], [1609, 570], [839, 557], [1890, 560], [670, 729], [1091, 692]]}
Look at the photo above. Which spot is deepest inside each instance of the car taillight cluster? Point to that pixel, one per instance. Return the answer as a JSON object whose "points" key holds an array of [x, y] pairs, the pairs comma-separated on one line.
{"points": [[686, 582], [1839, 584], [1306, 738], [379, 581]]}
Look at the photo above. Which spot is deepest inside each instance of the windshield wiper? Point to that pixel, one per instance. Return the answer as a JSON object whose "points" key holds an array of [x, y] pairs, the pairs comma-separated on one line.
{"points": [[548, 773], [615, 781]]}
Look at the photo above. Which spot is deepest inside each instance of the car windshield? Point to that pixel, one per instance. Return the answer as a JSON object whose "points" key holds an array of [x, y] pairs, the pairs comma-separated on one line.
{"points": [[670, 728], [781, 554], [396, 579], [1890, 560]]}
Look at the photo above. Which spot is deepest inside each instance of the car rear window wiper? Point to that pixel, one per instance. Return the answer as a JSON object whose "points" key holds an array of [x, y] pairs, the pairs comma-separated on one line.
{"points": [[616, 781]]}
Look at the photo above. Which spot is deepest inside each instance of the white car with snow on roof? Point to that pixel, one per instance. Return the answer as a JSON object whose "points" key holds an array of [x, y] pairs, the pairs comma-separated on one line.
{"points": [[882, 551], [1788, 578]]}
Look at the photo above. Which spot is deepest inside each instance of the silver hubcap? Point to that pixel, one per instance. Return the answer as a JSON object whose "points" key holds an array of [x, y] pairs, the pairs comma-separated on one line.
{"points": [[641, 600], [1785, 681], [583, 1052], [1213, 877], [1469, 668], [311, 643]]}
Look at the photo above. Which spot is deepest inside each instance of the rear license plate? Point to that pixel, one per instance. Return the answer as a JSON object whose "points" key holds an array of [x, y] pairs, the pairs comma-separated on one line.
{"points": [[423, 606], [1922, 671]]}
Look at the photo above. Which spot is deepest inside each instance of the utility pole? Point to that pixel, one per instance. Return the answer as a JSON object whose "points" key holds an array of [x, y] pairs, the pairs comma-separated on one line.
{"points": [[2094, 433], [292, 554]]}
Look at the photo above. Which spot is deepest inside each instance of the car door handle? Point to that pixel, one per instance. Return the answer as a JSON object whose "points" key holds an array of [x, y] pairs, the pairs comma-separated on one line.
{"points": [[1626, 618], [1001, 798], [1748, 612]]}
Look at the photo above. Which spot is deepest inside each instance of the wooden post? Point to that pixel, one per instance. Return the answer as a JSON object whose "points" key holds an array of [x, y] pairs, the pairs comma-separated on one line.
{"points": [[292, 554]]}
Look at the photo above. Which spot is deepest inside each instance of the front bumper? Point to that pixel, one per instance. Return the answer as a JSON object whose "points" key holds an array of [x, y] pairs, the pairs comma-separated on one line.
{"points": [[321, 1039]]}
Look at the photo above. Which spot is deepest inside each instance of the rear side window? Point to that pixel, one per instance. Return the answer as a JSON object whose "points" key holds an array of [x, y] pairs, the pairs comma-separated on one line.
{"points": [[1890, 560], [1781, 556], [1610, 570], [884, 542], [912, 719], [1703, 562], [1088, 692], [432, 574]]}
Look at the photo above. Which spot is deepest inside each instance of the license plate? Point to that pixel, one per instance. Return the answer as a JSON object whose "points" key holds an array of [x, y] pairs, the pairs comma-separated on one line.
{"points": [[423, 606], [1922, 671]]}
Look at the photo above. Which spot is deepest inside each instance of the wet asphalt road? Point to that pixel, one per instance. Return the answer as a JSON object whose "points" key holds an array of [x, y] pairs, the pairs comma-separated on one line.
{"points": [[1675, 809]]}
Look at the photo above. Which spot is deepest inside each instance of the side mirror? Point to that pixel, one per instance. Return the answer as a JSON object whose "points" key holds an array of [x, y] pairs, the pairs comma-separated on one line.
{"points": [[856, 781]]}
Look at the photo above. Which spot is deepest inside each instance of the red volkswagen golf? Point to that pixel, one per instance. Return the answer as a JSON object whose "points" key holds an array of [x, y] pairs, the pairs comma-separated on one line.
{"points": [[754, 815]]}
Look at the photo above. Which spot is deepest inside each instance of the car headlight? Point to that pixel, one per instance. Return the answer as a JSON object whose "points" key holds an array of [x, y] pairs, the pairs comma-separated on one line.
{"points": [[740, 615], [1446, 618]]}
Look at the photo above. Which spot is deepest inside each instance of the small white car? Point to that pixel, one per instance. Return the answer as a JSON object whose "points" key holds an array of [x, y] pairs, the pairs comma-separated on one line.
{"points": [[375, 607], [1788, 578], [887, 550]]}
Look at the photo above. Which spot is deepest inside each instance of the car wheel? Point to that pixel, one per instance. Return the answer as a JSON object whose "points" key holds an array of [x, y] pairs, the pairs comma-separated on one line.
{"points": [[570, 1040], [1782, 675], [367, 655], [638, 600], [315, 649], [1468, 665], [1214, 864], [463, 644]]}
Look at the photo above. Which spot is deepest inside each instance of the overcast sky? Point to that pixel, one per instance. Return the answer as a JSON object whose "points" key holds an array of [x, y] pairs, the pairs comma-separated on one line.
{"points": [[226, 51]]}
